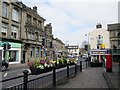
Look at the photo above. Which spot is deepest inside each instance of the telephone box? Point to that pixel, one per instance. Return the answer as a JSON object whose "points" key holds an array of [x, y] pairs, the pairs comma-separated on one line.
{"points": [[108, 63]]}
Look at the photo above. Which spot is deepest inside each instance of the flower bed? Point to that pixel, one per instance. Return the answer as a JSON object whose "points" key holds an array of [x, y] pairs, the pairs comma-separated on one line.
{"points": [[43, 66], [60, 65], [36, 71], [72, 61]]}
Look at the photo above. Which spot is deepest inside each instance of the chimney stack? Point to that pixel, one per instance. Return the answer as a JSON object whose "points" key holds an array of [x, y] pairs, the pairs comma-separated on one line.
{"points": [[35, 8]]}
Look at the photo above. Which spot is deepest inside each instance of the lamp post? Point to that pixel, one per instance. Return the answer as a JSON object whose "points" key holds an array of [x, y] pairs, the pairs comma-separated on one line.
{"points": [[88, 49], [88, 46], [67, 48]]}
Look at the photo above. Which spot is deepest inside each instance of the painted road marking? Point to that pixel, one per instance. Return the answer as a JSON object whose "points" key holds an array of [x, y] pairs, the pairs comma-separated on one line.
{"points": [[5, 74]]}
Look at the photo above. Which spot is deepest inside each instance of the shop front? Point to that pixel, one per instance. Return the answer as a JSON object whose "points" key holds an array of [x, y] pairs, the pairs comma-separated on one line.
{"points": [[13, 55], [98, 56]]}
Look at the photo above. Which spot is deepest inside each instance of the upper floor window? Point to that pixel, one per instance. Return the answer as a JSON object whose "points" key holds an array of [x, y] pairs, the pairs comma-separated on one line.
{"points": [[4, 29], [15, 15], [39, 23], [34, 21], [5, 10], [14, 31], [28, 19], [32, 36], [118, 34]]}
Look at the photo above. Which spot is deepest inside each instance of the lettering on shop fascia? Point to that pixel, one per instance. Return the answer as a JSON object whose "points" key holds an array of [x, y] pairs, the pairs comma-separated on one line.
{"points": [[98, 52]]}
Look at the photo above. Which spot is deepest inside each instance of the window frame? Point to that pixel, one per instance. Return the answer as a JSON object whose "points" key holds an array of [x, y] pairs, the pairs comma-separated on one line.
{"points": [[15, 15], [5, 10], [5, 25], [13, 30]]}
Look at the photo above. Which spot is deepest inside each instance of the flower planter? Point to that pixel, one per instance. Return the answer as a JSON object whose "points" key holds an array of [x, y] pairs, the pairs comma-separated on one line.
{"points": [[60, 65], [96, 64], [71, 64], [37, 71]]}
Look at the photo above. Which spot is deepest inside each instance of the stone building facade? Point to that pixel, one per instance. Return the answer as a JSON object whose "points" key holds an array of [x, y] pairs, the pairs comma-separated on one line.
{"points": [[58, 48], [32, 32], [114, 30], [49, 41], [10, 21], [23, 28], [98, 37]]}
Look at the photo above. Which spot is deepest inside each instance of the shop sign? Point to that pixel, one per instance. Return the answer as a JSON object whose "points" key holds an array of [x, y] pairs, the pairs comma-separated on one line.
{"points": [[98, 52], [13, 45]]}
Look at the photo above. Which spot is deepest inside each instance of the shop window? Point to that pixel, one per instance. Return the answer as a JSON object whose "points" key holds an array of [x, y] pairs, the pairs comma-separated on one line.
{"points": [[37, 52], [13, 56]]}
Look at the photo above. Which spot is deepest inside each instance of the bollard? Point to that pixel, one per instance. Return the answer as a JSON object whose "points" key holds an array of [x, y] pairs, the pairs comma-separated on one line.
{"points": [[119, 63], [80, 66], [86, 63], [54, 76], [75, 69], [67, 70], [25, 79]]}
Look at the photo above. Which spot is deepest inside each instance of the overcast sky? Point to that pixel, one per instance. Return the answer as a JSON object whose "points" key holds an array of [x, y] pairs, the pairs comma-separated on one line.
{"points": [[72, 19]]}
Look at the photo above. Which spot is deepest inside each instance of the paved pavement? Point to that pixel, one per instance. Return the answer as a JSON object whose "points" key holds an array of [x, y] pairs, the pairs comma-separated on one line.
{"points": [[89, 78], [95, 78], [113, 78]]}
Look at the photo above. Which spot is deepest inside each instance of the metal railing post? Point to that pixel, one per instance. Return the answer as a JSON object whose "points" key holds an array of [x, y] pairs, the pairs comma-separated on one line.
{"points": [[75, 69], [80, 66], [67, 70], [25, 79], [54, 76]]}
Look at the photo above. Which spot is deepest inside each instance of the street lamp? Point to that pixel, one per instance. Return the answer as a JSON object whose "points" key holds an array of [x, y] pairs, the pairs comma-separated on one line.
{"points": [[88, 35], [88, 49]]}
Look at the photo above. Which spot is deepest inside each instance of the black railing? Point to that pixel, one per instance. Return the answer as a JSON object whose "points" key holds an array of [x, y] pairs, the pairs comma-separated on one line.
{"points": [[48, 80]]}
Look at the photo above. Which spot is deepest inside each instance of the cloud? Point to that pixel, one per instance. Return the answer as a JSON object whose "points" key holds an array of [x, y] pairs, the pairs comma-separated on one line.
{"points": [[71, 20]]}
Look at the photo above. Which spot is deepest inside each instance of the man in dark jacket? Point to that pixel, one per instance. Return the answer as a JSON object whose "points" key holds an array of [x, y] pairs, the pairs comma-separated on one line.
{"points": [[4, 65]]}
